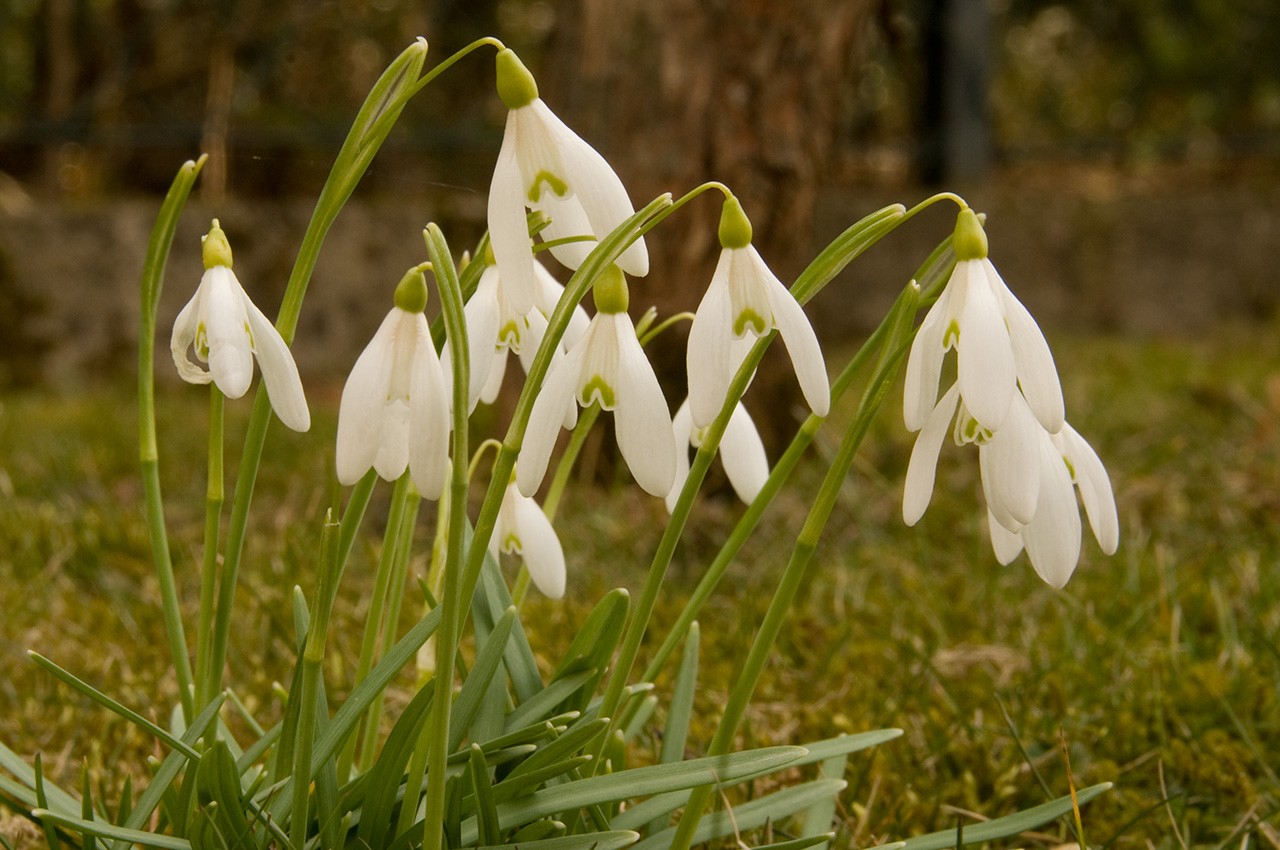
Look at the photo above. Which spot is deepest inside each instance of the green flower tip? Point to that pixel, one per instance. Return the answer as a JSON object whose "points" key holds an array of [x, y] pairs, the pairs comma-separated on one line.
{"points": [[610, 291], [215, 249], [735, 227], [411, 292], [970, 240], [516, 85], [489, 259]]}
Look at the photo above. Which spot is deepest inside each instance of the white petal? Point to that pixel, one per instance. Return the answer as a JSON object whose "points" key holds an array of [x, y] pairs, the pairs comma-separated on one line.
{"points": [[681, 430], [548, 296], [597, 187], [985, 358], [1011, 469], [802, 344], [1095, 488], [924, 364], [493, 383], [363, 404], [922, 467], [1037, 373], [1053, 536], [428, 415], [709, 348], [279, 372], [567, 219], [182, 338], [483, 316], [393, 440], [1006, 544], [543, 554], [742, 453], [995, 505], [557, 393], [508, 228], [226, 326], [641, 418]]}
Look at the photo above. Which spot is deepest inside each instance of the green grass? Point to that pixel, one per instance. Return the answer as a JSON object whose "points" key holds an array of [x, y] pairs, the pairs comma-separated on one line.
{"points": [[1159, 667]]}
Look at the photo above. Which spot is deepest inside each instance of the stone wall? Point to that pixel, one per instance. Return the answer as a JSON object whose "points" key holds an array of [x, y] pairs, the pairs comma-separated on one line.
{"points": [[1110, 258]]}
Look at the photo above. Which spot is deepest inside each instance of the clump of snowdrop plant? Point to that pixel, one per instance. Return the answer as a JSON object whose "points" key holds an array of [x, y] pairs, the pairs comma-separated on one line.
{"points": [[501, 751]]}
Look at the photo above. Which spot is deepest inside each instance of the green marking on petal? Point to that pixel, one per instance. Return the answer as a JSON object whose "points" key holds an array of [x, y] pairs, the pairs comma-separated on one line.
{"points": [[1070, 467], [511, 543], [554, 183], [202, 342], [597, 389], [752, 318], [248, 331], [509, 334], [952, 337]]}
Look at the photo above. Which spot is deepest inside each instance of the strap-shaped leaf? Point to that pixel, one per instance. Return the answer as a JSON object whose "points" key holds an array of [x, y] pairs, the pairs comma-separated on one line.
{"points": [[1000, 827], [549, 699], [770, 808], [387, 774], [115, 833], [575, 738], [611, 840], [480, 678], [60, 801], [638, 782]]}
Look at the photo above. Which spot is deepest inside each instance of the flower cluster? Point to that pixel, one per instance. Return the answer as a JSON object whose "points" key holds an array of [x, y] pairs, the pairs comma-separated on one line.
{"points": [[1007, 399], [395, 412]]}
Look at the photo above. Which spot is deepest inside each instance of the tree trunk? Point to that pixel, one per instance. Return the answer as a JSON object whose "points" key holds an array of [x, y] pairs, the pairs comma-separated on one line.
{"points": [[752, 93]]}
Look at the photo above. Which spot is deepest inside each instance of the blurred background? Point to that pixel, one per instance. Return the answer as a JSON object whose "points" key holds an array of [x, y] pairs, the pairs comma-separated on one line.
{"points": [[1126, 152]]}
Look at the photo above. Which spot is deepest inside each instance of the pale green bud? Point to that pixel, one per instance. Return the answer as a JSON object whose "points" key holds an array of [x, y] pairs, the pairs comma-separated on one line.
{"points": [[610, 290], [411, 292], [516, 85], [970, 240], [735, 227], [215, 249]]}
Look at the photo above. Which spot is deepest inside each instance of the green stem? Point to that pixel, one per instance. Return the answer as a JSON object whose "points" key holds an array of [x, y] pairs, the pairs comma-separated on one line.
{"points": [[214, 499], [379, 112], [152, 281], [931, 275], [373, 619], [801, 557], [437, 731], [312, 659]]}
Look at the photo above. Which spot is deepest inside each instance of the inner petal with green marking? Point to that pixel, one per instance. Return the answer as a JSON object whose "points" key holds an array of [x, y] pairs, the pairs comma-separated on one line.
{"points": [[554, 183], [749, 318], [597, 389]]}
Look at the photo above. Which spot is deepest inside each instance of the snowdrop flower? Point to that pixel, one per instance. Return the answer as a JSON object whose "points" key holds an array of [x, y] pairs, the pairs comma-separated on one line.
{"points": [[546, 166], [394, 411], [999, 347], [523, 529], [741, 452], [746, 297], [607, 365], [1027, 477], [227, 331], [495, 327], [1052, 538]]}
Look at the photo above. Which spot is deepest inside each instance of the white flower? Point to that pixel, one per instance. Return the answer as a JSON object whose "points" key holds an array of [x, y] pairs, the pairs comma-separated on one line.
{"points": [[746, 297], [607, 365], [495, 327], [227, 331], [523, 529], [741, 452], [1027, 477], [999, 347], [546, 166], [394, 411]]}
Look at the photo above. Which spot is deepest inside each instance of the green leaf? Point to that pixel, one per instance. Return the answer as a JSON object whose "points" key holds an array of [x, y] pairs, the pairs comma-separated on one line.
{"points": [[548, 699], [662, 805], [521, 666], [857, 238], [1000, 827], [768, 809], [638, 782], [611, 840], [383, 786], [486, 812], [60, 801], [115, 833], [817, 820], [50, 834], [113, 706], [478, 681], [518, 784], [575, 738]]}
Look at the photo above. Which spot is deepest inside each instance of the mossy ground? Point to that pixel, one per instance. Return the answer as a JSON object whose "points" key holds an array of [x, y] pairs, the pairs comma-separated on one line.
{"points": [[1157, 669]]}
